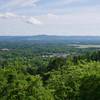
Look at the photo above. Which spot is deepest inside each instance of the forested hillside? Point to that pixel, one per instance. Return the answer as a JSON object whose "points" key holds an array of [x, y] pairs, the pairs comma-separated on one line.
{"points": [[76, 77], [52, 71]]}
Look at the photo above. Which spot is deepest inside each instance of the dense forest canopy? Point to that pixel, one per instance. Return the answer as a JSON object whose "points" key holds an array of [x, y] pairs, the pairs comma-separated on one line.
{"points": [[35, 70]]}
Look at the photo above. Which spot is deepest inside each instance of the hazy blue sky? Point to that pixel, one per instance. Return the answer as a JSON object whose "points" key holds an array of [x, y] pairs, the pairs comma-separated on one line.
{"points": [[53, 17]]}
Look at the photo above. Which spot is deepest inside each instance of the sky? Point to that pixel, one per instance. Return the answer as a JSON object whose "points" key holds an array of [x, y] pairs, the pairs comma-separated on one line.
{"points": [[50, 17]]}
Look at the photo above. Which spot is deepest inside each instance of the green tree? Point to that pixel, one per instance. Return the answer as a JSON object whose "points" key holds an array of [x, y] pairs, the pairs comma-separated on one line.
{"points": [[90, 88]]}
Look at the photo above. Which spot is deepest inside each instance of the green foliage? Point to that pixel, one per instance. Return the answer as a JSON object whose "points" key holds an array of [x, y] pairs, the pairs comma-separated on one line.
{"points": [[66, 82], [56, 63], [31, 77], [90, 88], [17, 86]]}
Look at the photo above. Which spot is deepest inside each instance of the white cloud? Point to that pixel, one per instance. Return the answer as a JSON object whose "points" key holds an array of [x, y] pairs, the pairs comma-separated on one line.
{"points": [[69, 1], [87, 18], [33, 20], [28, 3], [61, 3], [27, 19], [8, 15], [18, 3]]}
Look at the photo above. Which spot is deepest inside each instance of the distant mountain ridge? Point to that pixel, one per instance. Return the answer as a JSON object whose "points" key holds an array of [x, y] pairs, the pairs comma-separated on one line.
{"points": [[52, 39]]}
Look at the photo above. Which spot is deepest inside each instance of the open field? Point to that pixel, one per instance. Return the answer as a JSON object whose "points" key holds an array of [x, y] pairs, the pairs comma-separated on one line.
{"points": [[86, 46]]}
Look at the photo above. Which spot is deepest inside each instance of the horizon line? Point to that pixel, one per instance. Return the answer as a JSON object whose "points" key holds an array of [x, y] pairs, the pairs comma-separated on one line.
{"points": [[51, 35]]}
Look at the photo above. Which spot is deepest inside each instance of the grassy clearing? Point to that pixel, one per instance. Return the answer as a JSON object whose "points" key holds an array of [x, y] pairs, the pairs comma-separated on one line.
{"points": [[86, 46]]}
